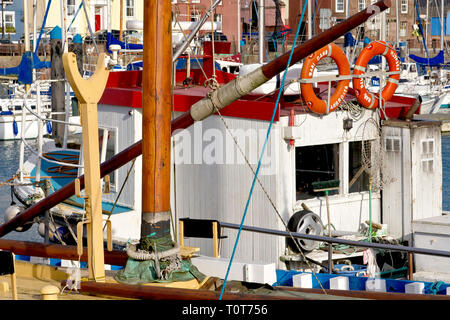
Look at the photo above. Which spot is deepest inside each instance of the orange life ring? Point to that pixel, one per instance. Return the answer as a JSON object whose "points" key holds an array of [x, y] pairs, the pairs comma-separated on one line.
{"points": [[309, 65], [368, 99]]}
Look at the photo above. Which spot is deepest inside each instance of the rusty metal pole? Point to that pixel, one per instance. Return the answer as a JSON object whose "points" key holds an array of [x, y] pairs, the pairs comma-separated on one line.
{"points": [[156, 132]]}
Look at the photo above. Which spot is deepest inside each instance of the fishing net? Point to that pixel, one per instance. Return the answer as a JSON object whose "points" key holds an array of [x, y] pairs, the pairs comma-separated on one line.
{"points": [[156, 260], [373, 157]]}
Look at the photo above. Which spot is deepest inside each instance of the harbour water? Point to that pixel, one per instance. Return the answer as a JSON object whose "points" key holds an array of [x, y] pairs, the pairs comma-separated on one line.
{"points": [[9, 161]]}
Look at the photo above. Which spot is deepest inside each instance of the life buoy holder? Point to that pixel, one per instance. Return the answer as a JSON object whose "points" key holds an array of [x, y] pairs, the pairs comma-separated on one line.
{"points": [[368, 99], [309, 65]]}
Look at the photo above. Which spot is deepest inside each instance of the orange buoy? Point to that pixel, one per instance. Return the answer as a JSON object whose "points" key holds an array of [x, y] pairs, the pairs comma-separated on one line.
{"points": [[309, 65], [368, 99]]}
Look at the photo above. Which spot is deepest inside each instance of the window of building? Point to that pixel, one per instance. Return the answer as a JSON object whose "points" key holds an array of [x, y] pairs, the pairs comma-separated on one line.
{"points": [[130, 9], [403, 28], [361, 5], [404, 6], [71, 7], [340, 6], [313, 164], [10, 21], [195, 15]]}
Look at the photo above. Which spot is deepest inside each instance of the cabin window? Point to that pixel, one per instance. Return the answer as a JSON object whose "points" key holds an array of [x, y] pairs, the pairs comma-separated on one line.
{"points": [[427, 147], [392, 144], [427, 155], [313, 164], [358, 177], [339, 5], [107, 149]]}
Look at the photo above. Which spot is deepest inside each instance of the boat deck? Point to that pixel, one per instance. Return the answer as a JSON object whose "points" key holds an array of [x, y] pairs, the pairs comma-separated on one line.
{"points": [[31, 278]]}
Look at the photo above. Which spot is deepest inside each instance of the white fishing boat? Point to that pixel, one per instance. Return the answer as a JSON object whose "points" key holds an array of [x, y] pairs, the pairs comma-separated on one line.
{"points": [[308, 170]]}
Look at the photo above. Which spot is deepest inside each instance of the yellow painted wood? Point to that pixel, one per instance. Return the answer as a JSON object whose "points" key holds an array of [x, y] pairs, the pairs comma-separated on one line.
{"points": [[181, 233], [188, 252], [13, 281], [215, 240], [88, 92]]}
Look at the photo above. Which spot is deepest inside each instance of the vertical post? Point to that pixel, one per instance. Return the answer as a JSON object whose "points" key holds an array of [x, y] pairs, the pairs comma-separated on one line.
{"points": [[27, 88], [397, 36], [426, 23], [63, 24], [410, 266], [239, 26], [181, 233], [13, 279], [156, 122], [57, 87], [442, 24], [121, 20], [310, 19], [215, 239], [3, 21], [347, 14], [261, 31], [108, 19]]}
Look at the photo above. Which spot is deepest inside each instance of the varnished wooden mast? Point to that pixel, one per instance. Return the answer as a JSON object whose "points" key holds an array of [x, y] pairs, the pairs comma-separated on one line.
{"points": [[156, 133]]}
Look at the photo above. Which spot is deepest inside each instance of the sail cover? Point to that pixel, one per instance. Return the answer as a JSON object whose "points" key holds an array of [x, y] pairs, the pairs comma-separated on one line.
{"points": [[432, 62]]}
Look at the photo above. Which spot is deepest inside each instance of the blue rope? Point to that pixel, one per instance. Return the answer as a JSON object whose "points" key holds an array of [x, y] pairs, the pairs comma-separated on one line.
{"points": [[262, 152], [43, 26], [74, 17]]}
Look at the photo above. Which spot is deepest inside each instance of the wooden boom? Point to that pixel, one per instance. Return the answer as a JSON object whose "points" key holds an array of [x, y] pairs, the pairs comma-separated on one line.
{"points": [[220, 98]]}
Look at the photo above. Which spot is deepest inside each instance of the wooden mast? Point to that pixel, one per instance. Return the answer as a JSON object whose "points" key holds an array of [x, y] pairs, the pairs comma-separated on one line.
{"points": [[156, 132]]}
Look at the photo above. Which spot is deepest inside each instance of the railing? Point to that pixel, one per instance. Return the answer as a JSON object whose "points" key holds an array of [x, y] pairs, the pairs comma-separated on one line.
{"points": [[330, 240]]}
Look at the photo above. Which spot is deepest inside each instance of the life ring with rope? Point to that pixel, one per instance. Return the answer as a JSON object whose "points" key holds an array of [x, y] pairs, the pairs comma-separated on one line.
{"points": [[368, 99], [309, 65]]}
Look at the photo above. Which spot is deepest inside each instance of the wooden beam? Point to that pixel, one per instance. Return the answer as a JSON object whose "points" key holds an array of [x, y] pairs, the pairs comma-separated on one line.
{"points": [[59, 251]]}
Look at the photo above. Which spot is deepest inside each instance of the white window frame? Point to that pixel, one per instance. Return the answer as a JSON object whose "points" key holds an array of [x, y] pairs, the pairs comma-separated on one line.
{"points": [[361, 5], [9, 13], [392, 144], [337, 3], [404, 4], [132, 7], [74, 6], [403, 30]]}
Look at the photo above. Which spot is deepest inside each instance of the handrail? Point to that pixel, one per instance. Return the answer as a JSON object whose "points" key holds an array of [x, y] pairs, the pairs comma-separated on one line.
{"points": [[373, 245]]}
